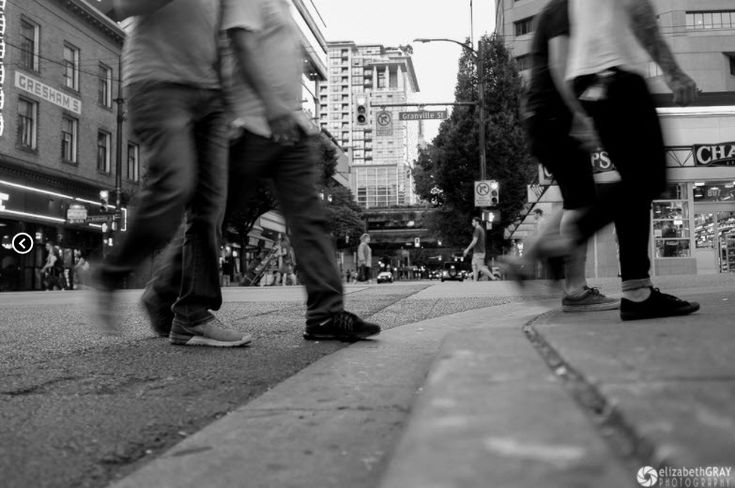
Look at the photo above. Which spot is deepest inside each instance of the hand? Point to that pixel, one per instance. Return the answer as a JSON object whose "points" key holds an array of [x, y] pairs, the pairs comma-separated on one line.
{"points": [[684, 88], [583, 130], [284, 129]]}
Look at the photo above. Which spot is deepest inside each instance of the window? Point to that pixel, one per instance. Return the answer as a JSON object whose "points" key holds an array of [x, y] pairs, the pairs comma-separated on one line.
{"points": [[27, 120], [71, 67], [69, 126], [706, 20], [133, 162], [29, 44], [671, 228], [103, 151], [732, 65], [104, 96], [524, 26], [524, 62]]}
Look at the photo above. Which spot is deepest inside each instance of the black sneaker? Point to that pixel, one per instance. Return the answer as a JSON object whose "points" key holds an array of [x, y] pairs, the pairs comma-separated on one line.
{"points": [[159, 314], [341, 326], [657, 305]]}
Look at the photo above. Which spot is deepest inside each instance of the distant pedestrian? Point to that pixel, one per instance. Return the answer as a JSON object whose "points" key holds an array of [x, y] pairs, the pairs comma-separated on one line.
{"points": [[561, 137], [175, 109], [52, 272], [477, 247], [365, 259]]}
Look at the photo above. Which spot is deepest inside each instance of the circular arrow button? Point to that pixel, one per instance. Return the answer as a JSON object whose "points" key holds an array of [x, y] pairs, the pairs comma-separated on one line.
{"points": [[22, 243]]}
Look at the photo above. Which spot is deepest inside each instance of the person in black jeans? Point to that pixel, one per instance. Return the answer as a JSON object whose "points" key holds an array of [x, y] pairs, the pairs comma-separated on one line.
{"points": [[176, 112], [626, 120]]}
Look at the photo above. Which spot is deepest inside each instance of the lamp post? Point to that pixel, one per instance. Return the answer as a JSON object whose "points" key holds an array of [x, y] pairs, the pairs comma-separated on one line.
{"points": [[479, 62]]}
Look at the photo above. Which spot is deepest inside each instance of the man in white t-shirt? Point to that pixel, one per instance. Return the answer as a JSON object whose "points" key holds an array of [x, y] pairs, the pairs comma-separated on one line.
{"points": [[606, 41]]}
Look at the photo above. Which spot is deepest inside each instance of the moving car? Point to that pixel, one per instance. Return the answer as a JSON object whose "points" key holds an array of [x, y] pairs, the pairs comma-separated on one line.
{"points": [[385, 277], [452, 271]]}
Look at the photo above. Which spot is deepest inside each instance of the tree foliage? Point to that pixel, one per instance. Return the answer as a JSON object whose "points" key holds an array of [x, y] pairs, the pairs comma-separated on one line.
{"points": [[447, 168]]}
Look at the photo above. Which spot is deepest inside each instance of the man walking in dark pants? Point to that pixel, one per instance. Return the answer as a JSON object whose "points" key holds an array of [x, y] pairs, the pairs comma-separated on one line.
{"points": [[176, 112], [602, 54], [275, 139]]}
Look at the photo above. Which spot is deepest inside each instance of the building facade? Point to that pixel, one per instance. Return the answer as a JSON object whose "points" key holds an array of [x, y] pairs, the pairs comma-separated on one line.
{"points": [[381, 148], [693, 225], [58, 132]]}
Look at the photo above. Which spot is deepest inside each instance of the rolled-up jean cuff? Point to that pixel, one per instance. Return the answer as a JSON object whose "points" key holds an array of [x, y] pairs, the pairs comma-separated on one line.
{"points": [[630, 285]]}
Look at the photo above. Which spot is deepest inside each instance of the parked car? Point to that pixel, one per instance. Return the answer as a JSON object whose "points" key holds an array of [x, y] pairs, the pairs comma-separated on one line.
{"points": [[385, 277], [452, 271], [435, 274]]}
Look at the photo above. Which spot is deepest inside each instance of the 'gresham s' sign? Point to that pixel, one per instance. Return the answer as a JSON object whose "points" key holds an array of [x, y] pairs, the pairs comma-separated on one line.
{"points": [[722, 154]]}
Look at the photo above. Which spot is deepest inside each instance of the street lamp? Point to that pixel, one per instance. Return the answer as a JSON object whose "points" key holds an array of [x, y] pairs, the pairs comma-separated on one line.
{"points": [[477, 57]]}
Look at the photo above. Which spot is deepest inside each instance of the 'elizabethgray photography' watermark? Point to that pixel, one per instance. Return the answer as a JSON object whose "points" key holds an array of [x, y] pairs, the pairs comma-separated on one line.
{"points": [[686, 477]]}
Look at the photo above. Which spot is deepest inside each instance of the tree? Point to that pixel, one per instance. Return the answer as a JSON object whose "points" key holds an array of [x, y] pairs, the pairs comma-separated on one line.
{"points": [[447, 168]]}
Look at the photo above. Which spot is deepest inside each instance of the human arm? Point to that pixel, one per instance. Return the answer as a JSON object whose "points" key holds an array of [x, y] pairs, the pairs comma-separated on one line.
{"points": [[470, 247], [253, 68], [645, 27], [130, 8], [582, 128]]}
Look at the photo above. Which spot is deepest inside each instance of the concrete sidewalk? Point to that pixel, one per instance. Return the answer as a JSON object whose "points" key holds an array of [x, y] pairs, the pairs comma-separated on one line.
{"points": [[517, 395]]}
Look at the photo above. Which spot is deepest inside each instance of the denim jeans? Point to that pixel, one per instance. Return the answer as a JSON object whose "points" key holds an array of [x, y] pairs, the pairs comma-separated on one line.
{"points": [[182, 132], [293, 170], [629, 129]]}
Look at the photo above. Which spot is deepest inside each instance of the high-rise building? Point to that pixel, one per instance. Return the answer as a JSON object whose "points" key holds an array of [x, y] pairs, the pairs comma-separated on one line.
{"points": [[382, 148]]}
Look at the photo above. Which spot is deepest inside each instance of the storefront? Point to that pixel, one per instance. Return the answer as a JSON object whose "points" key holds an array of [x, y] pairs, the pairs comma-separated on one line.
{"points": [[693, 224], [693, 228], [41, 213]]}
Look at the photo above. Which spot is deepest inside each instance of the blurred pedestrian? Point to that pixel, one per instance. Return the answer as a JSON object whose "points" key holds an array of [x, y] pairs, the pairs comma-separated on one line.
{"points": [[273, 138], [53, 269], [477, 246], [81, 270], [602, 53], [175, 109], [551, 115], [365, 259]]}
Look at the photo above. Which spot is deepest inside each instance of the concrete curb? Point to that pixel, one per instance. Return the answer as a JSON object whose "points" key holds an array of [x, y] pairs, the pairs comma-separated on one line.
{"points": [[335, 423]]}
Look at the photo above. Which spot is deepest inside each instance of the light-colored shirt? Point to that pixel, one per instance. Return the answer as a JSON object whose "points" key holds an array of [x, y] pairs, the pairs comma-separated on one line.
{"points": [[279, 45], [601, 38], [177, 43]]}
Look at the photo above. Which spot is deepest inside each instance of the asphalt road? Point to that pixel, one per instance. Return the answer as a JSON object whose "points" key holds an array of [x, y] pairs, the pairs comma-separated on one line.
{"points": [[78, 409]]}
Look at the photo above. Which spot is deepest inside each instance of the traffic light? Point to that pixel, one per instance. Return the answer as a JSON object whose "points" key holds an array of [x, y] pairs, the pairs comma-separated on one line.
{"points": [[361, 110], [104, 200], [494, 192]]}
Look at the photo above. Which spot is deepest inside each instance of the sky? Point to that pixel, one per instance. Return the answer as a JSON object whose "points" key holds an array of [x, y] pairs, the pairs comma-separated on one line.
{"points": [[399, 22]]}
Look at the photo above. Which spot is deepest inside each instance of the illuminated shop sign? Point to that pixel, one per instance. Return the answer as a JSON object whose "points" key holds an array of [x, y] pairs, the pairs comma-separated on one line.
{"points": [[31, 85], [2, 65], [722, 154]]}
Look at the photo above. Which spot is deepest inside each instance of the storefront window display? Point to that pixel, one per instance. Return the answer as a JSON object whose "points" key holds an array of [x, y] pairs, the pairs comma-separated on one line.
{"points": [[714, 191], [671, 232]]}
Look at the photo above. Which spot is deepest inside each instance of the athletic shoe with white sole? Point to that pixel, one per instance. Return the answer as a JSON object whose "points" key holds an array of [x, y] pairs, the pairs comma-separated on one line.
{"points": [[211, 333], [590, 301]]}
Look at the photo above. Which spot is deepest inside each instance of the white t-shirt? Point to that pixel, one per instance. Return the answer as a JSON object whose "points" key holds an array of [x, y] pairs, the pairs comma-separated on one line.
{"points": [[280, 45], [601, 38]]}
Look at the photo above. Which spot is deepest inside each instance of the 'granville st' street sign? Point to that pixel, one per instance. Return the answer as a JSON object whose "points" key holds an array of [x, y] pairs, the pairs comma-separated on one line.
{"points": [[423, 115]]}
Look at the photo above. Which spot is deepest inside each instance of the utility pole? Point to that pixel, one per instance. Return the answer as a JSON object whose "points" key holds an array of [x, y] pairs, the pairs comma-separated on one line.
{"points": [[481, 100], [118, 145]]}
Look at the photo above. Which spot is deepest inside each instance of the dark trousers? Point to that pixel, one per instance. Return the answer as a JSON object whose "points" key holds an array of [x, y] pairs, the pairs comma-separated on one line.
{"points": [[629, 129], [182, 132], [293, 172]]}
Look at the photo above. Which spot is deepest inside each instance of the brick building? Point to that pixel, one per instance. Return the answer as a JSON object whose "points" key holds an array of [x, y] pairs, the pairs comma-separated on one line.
{"points": [[58, 137]]}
